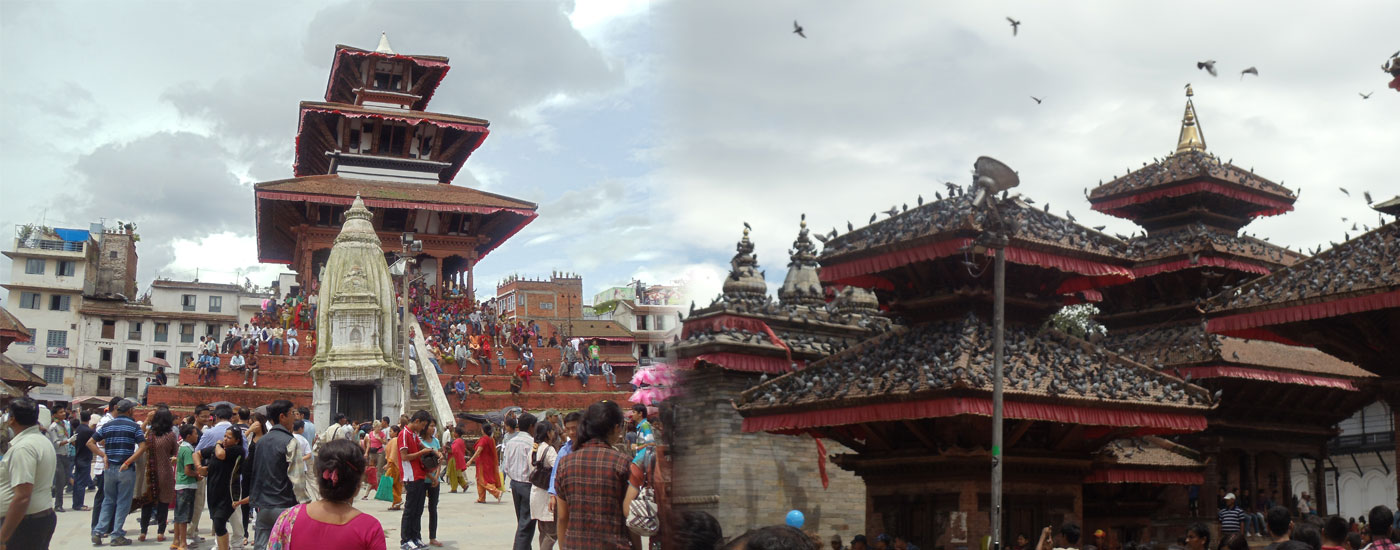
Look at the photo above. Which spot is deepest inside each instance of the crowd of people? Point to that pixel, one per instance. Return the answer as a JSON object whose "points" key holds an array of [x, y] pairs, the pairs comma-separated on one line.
{"points": [[270, 478]]}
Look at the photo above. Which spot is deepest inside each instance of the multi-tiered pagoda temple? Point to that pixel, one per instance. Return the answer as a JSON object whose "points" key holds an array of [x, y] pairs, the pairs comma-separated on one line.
{"points": [[372, 137], [1279, 402], [913, 404]]}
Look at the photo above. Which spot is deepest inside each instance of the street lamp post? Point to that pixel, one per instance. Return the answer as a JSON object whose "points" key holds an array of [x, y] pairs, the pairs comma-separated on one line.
{"points": [[990, 177], [410, 244]]}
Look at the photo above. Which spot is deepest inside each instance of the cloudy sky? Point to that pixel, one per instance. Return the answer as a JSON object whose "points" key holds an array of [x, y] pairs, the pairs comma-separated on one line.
{"points": [[648, 131]]}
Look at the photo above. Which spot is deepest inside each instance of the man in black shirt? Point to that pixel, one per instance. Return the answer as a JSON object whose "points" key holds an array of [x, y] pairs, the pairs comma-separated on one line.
{"points": [[271, 491], [82, 461]]}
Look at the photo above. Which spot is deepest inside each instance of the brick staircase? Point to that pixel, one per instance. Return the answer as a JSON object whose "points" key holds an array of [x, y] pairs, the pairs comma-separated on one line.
{"points": [[286, 377], [279, 377]]}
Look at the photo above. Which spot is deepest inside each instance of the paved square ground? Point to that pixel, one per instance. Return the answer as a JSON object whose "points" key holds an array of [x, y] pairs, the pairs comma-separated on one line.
{"points": [[462, 523]]}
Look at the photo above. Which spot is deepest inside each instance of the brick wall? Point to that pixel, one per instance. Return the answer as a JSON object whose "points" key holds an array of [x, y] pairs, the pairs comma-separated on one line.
{"points": [[552, 299], [116, 265], [749, 480]]}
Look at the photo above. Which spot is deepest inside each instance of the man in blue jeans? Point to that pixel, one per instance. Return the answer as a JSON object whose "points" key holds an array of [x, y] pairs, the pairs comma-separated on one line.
{"points": [[124, 442]]}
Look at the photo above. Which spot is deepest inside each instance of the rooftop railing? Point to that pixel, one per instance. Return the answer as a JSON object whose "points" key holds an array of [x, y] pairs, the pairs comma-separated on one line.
{"points": [[50, 244]]}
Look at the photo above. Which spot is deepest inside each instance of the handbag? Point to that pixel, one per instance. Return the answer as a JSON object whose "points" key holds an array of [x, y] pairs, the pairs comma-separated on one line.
{"points": [[539, 477], [642, 516], [385, 490]]}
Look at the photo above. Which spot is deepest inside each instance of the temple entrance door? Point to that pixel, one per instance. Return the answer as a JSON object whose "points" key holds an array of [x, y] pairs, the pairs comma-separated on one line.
{"points": [[360, 402]]}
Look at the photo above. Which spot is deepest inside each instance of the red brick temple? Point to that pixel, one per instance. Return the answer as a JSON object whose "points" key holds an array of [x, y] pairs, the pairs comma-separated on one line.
{"points": [[1279, 402], [373, 137], [1344, 301], [913, 404]]}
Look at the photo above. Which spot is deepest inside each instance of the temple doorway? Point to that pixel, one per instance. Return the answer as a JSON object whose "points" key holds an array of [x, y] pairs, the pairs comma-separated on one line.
{"points": [[359, 402]]}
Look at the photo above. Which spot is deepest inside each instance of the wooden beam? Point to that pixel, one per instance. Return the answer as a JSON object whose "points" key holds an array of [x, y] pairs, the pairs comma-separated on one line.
{"points": [[872, 435], [1017, 433], [920, 435], [1069, 437]]}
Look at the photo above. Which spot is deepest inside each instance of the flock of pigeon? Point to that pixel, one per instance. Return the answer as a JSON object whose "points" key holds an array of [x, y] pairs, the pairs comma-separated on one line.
{"points": [[1186, 165], [1194, 238], [1364, 263], [956, 213], [1209, 67], [958, 353]]}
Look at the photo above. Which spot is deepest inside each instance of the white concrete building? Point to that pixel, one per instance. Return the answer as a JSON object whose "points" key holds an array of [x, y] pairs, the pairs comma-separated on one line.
{"points": [[1361, 466], [51, 270], [117, 337]]}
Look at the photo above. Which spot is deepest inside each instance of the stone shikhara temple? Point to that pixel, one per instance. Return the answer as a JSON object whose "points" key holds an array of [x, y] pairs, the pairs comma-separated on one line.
{"points": [[1111, 431], [371, 137]]}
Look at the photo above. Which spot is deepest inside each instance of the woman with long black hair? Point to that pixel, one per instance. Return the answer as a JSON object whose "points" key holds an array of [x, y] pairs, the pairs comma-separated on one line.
{"points": [[221, 465], [592, 484], [162, 444]]}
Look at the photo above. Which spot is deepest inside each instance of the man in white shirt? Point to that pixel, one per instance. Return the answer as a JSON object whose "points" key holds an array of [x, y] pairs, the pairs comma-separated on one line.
{"points": [[26, 481], [237, 362], [292, 344], [306, 490], [515, 462]]}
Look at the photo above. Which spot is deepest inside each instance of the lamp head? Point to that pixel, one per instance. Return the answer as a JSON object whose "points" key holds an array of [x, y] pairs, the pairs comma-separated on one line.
{"points": [[408, 238]]}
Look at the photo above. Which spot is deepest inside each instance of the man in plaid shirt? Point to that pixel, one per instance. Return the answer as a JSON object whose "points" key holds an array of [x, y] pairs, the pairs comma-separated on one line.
{"points": [[593, 485], [1378, 525]]}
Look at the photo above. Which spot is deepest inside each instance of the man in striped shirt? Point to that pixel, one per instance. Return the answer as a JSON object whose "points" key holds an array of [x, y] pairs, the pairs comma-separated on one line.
{"points": [[124, 441], [1231, 517]]}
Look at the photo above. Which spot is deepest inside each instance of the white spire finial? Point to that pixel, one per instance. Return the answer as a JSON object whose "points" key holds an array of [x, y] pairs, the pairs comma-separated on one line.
{"points": [[384, 44]]}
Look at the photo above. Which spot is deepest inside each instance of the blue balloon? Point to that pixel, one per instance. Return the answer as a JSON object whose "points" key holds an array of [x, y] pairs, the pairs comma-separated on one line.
{"points": [[796, 519]]}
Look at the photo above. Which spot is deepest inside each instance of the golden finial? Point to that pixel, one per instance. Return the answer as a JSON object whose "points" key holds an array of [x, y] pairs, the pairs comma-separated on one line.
{"points": [[1191, 138]]}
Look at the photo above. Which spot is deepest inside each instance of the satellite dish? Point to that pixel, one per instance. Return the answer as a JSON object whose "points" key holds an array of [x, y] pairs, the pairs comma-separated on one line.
{"points": [[991, 176]]}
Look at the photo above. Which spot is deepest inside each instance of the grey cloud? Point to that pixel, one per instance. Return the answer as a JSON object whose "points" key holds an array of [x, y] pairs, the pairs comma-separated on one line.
{"points": [[171, 184]]}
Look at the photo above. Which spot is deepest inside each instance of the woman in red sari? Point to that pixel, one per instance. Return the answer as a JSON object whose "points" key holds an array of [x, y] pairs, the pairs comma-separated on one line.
{"points": [[488, 474]]}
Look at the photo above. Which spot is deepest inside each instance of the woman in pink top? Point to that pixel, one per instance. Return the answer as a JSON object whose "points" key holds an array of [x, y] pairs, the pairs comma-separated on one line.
{"points": [[333, 521]]}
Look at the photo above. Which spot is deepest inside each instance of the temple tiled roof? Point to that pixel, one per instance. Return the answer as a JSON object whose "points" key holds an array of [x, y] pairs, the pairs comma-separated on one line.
{"points": [[1364, 265], [1197, 239], [934, 358], [14, 374], [1148, 451], [11, 327], [335, 185], [1186, 167], [955, 216], [1190, 344]]}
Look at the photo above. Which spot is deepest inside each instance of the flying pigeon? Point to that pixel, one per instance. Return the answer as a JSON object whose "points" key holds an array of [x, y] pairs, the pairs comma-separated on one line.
{"points": [[1250, 70], [1344, 190], [747, 226], [1014, 25], [1037, 100], [1209, 66], [797, 29], [1365, 96], [1367, 194]]}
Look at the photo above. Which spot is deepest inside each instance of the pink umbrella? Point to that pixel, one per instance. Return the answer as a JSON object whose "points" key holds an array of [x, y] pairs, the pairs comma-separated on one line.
{"points": [[644, 376]]}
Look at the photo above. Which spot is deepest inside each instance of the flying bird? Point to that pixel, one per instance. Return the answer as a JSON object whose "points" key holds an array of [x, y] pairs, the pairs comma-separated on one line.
{"points": [[1209, 66], [1365, 96], [1014, 25], [1344, 190], [1367, 194], [1250, 70], [747, 226], [797, 29], [1037, 100]]}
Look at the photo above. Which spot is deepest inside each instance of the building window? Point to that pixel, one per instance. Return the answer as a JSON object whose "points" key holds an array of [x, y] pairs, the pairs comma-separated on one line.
{"points": [[104, 386], [162, 332], [57, 339], [187, 333], [133, 359], [158, 354], [133, 330], [188, 301], [185, 358], [131, 389], [29, 300], [211, 329], [216, 304], [112, 254], [59, 302], [105, 358], [34, 266], [53, 375], [67, 268], [547, 305], [109, 329]]}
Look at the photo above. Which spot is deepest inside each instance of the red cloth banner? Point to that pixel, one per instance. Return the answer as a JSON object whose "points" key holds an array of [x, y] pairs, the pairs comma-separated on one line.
{"points": [[821, 461], [1159, 477], [1304, 312], [1204, 261], [1220, 371], [741, 362], [1153, 422], [1268, 206]]}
